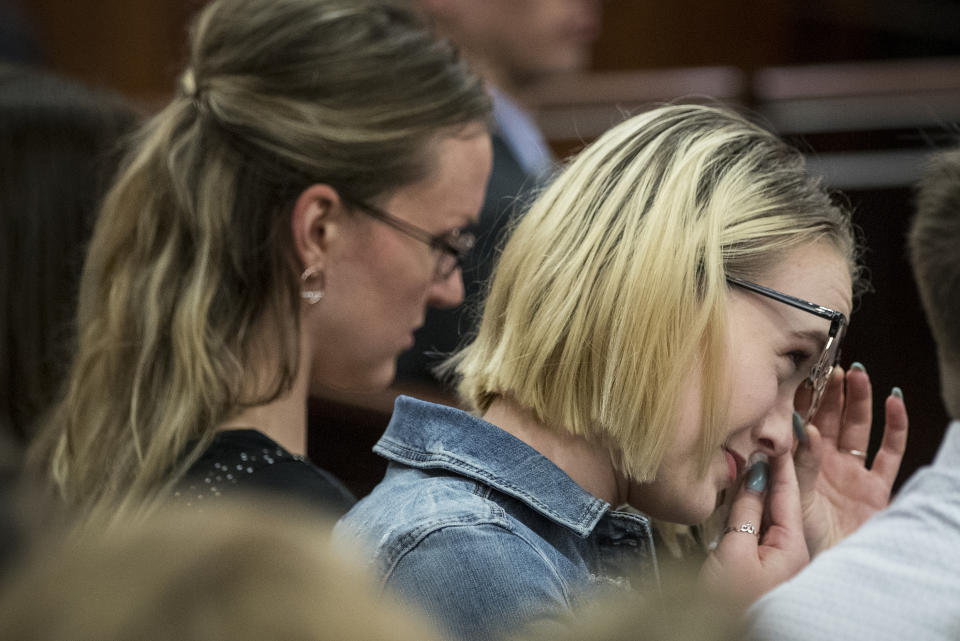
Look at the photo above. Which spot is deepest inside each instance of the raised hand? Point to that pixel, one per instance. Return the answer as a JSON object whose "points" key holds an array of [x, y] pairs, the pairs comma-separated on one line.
{"points": [[837, 491], [760, 548]]}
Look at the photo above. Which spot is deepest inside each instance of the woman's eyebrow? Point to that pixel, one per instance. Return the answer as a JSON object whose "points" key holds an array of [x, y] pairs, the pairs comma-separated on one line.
{"points": [[817, 335]]}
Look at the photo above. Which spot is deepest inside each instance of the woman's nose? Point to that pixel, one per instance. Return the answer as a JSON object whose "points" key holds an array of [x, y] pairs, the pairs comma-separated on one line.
{"points": [[447, 292], [775, 435]]}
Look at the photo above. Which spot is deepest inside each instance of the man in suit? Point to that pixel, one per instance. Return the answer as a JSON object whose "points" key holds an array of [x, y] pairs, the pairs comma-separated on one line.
{"points": [[513, 44], [898, 576]]}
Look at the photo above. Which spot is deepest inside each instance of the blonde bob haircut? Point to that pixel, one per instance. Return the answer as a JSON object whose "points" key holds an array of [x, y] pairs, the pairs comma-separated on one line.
{"points": [[192, 260], [611, 294]]}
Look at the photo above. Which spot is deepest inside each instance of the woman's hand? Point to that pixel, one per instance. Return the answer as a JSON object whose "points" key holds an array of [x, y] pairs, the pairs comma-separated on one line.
{"points": [[837, 491], [744, 566]]}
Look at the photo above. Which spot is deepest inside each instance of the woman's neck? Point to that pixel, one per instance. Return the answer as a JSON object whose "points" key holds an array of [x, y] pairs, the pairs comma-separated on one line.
{"points": [[284, 420], [589, 465]]}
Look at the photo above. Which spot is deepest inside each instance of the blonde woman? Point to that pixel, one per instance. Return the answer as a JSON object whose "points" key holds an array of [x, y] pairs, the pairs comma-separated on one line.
{"points": [[645, 343], [279, 228]]}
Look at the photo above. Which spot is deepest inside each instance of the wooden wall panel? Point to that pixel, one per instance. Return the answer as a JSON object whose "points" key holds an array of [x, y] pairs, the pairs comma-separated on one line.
{"points": [[133, 46], [695, 33]]}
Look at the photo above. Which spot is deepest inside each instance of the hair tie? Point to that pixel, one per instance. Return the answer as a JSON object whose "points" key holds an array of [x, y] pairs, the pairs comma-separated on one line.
{"points": [[189, 89], [188, 84]]}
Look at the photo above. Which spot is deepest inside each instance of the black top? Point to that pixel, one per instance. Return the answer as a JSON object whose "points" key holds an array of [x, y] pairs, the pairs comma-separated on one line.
{"points": [[249, 461]]}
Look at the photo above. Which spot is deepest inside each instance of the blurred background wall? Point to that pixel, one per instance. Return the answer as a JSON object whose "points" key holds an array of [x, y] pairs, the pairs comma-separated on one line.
{"points": [[136, 46]]}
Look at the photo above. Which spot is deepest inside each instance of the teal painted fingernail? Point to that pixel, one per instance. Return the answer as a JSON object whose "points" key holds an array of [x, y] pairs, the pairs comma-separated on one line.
{"points": [[896, 392], [857, 365], [757, 476], [798, 426]]}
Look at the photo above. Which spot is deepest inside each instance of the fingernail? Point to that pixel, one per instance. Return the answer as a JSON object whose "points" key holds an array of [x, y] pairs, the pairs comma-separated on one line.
{"points": [[857, 365], [798, 428], [757, 474], [896, 392]]}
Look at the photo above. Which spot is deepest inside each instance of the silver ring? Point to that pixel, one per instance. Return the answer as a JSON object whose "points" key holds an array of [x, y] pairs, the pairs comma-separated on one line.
{"points": [[746, 528], [857, 453]]}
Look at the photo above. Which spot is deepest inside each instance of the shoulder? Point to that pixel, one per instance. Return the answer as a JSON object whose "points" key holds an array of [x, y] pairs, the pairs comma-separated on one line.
{"points": [[304, 481], [419, 517], [893, 578], [410, 505], [441, 541], [247, 461], [480, 580]]}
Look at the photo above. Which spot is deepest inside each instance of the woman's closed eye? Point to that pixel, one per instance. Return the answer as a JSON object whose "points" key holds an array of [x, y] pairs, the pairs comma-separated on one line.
{"points": [[801, 359]]}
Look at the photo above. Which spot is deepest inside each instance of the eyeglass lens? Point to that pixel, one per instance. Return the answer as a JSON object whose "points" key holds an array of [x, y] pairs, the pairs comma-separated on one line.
{"points": [[453, 251], [820, 374], [446, 265]]}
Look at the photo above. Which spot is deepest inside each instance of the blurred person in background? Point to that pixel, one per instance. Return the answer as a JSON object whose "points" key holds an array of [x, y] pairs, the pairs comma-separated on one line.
{"points": [[513, 45], [59, 146], [17, 41], [278, 229]]}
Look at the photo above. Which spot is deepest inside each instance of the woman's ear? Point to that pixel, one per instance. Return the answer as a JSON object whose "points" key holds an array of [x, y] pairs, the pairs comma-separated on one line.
{"points": [[316, 224]]}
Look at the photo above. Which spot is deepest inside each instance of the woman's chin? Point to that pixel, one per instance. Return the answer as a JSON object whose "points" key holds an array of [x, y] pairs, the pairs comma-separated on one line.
{"points": [[370, 382]]}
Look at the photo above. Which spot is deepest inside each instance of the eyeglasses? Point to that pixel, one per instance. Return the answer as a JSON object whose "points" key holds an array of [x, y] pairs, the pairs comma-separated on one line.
{"points": [[823, 368], [453, 246]]}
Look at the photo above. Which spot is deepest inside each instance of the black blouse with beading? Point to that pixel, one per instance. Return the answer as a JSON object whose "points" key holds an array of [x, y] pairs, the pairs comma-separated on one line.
{"points": [[248, 461]]}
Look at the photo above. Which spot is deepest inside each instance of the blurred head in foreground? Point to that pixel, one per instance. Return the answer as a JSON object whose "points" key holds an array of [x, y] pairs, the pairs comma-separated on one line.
{"points": [[234, 572]]}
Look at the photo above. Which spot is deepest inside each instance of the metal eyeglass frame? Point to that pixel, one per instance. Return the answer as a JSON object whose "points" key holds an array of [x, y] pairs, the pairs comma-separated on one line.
{"points": [[823, 368], [455, 244]]}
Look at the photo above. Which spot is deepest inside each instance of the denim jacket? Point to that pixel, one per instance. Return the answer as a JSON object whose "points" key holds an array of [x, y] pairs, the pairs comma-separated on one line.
{"points": [[485, 533]]}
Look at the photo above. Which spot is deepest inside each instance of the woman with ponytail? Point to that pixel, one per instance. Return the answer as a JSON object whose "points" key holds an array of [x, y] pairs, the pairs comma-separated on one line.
{"points": [[279, 228]]}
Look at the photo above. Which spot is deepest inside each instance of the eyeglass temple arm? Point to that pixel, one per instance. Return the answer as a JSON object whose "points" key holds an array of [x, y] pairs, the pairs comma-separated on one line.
{"points": [[393, 221], [823, 312]]}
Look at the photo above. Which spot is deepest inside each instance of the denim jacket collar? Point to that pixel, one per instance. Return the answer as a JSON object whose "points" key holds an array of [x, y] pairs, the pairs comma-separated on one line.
{"points": [[429, 436]]}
